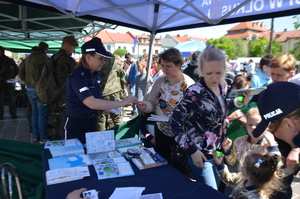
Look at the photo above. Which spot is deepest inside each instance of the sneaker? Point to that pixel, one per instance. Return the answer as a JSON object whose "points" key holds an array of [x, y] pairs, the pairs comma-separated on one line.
{"points": [[43, 141], [35, 140]]}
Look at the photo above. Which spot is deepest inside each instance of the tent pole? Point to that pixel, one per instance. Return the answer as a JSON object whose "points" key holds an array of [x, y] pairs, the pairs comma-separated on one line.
{"points": [[149, 62], [271, 36]]}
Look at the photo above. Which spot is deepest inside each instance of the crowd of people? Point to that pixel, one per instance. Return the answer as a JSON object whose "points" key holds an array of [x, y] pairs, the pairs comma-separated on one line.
{"points": [[247, 144]]}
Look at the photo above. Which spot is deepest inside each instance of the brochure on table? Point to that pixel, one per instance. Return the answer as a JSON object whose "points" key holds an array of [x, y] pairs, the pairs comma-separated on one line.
{"points": [[67, 174], [101, 143], [112, 167], [69, 161], [127, 142], [144, 158], [63, 148]]}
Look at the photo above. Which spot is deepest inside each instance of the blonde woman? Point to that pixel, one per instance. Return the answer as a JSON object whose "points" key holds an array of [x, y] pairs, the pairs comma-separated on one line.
{"points": [[198, 121]]}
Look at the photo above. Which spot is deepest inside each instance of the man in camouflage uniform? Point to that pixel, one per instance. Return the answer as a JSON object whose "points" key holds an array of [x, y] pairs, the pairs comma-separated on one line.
{"points": [[63, 64], [112, 84], [7, 90]]}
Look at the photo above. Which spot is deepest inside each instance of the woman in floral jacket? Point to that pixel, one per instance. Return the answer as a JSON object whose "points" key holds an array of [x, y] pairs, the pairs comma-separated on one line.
{"points": [[198, 121], [166, 92]]}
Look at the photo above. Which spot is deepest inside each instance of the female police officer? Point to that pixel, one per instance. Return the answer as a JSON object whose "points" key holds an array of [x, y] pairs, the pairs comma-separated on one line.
{"points": [[83, 93]]}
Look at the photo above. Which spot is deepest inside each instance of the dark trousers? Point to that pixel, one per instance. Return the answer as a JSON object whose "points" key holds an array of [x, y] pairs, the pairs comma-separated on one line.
{"points": [[77, 127], [7, 91], [163, 143]]}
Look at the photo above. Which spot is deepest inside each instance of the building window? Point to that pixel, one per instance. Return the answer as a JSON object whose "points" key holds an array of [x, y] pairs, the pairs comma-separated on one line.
{"points": [[156, 52], [108, 47], [295, 45], [119, 47], [124, 47], [144, 51]]}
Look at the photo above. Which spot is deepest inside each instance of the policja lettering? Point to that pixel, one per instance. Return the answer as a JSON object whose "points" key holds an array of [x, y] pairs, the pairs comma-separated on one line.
{"points": [[83, 89], [273, 113]]}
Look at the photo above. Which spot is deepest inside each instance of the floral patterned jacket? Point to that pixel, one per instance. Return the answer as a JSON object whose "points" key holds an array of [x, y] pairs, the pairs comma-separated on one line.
{"points": [[198, 121]]}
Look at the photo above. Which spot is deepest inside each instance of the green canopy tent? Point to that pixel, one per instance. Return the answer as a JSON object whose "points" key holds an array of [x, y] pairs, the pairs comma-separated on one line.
{"points": [[23, 27], [26, 45]]}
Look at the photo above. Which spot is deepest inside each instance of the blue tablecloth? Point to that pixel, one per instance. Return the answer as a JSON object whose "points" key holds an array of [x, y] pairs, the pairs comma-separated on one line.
{"points": [[165, 179]]}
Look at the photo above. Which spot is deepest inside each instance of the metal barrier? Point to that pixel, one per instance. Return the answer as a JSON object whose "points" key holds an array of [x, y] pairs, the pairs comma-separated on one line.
{"points": [[7, 173]]}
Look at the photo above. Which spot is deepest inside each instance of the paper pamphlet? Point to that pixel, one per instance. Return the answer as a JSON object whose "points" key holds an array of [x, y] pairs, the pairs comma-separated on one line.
{"points": [[100, 141], [153, 159], [253, 91], [62, 143], [105, 154], [158, 118], [127, 142], [66, 174], [67, 162], [114, 110], [63, 148], [152, 196], [112, 168], [127, 193]]}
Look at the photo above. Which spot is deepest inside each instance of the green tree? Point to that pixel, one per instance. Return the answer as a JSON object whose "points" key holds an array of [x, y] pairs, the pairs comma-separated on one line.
{"points": [[276, 48], [223, 44], [238, 48], [120, 52], [210, 41], [296, 51], [297, 22], [258, 47]]}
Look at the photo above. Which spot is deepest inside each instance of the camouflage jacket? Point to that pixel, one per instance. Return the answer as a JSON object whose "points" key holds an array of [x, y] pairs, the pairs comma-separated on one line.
{"points": [[30, 68], [112, 77], [63, 64]]}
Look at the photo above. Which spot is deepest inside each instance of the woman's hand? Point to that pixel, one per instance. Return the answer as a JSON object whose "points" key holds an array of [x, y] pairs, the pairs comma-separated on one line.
{"points": [[236, 115], [76, 194], [218, 159], [293, 158], [153, 141], [198, 158], [130, 99], [246, 99], [226, 144], [141, 105], [270, 138]]}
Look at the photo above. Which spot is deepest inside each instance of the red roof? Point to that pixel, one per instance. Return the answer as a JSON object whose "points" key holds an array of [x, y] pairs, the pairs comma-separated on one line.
{"points": [[121, 37], [103, 35], [238, 35], [250, 25], [188, 38]]}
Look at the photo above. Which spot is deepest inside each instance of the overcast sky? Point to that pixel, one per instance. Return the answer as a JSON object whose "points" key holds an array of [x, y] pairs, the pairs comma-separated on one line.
{"points": [[280, 24]]}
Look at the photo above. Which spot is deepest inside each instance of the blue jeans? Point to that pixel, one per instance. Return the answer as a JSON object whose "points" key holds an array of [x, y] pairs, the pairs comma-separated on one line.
{"points": [[207, 176], [39, 116]]}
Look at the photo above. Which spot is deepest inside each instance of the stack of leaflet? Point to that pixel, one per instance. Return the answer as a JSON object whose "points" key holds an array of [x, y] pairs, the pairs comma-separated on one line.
{"points": [[66, 174], [108, 162], [69, 161], [63, 148], [127, 142], [101, 144]]}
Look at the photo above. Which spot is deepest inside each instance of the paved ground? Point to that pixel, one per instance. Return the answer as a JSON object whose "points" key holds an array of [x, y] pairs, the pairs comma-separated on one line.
{"points": [[18, 130]]}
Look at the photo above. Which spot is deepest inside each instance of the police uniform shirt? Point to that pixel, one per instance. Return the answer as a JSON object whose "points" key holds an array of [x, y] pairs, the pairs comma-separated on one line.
{"points": [[81, 83]]}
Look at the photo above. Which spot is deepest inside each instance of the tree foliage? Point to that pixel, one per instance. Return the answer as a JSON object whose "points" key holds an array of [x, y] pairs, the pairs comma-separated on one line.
{"points": [[238, 48], [296, 51], [261, 46], [297, 22], [223, 44], [276, 48], [258, 47], [120, 52]]}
